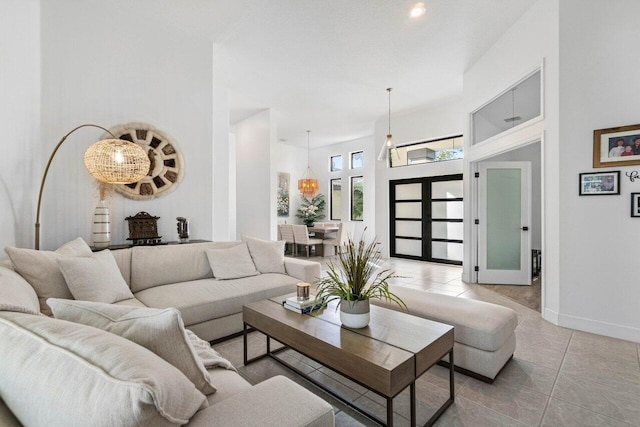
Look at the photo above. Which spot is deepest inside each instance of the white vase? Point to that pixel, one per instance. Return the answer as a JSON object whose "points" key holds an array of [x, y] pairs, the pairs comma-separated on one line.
{"points": [[101, 228], [354, 314]]}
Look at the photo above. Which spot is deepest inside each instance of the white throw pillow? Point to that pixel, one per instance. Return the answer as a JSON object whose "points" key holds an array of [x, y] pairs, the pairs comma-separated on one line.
{"points": [[267, 255], [40, 269], [231, 263], [95, 278], [16, 294], [159, 330], [59, 374]]}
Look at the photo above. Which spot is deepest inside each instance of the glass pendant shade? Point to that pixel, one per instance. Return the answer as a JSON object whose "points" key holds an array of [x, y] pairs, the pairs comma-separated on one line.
{"points": [[388, 148], [116, 161]]}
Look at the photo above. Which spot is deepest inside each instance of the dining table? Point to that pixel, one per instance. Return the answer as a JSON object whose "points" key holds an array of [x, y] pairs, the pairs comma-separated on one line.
{"points": [[322, 232]]}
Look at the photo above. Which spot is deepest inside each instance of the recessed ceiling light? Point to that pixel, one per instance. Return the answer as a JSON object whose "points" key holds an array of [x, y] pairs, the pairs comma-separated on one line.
{"points": [[418, 10]]}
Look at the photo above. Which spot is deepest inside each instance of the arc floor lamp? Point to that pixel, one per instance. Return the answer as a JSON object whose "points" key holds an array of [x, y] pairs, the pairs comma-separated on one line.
{"points": [[113, 161]]}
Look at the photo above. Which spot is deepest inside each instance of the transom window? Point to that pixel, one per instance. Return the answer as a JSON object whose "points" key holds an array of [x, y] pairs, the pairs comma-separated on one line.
{"points": [[357, 159], [336, 163], [437, 150]]}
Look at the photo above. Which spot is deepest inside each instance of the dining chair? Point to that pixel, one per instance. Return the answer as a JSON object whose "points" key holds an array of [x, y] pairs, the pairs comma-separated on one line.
{"points": [[345, 231], [301, 237], [286, 234]]}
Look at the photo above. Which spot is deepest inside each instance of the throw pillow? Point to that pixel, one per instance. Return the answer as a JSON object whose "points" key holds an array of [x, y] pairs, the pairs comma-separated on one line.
{"points": [[56, 373], [95, 278], [16, 294], [159, 330], [40, 269], [267, 255], [231, 263]]}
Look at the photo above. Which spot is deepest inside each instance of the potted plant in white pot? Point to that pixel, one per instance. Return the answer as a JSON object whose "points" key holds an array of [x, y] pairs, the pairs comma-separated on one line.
{"points": [[352, 280]]}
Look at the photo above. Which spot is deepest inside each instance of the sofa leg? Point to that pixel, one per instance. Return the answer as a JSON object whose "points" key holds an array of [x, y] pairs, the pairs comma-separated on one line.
{"points": [[474, 374]]}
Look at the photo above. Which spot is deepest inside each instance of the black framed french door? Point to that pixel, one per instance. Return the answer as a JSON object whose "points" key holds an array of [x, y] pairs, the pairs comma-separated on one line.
{"points": [[426, 218]]}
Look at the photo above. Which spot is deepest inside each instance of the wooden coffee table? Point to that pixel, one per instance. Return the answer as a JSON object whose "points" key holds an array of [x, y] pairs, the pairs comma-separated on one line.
{"points": [[386, 357]]}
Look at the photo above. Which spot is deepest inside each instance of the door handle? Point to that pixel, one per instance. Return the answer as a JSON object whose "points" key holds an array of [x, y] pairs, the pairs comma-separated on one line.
{"points": [[525, 228]]}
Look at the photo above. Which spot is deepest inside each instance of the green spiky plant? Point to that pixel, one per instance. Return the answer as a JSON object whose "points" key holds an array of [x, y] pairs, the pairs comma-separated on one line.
{"points": [[352, 276]]}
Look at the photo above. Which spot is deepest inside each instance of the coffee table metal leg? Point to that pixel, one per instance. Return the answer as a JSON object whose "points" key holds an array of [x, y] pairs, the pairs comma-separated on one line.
{"points": [[412, 399], [244, 339], [389, 411], [451, 382]]}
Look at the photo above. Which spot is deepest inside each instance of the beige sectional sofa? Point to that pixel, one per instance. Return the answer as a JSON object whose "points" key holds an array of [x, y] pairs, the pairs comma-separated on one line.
{"points": [[59, 373]]}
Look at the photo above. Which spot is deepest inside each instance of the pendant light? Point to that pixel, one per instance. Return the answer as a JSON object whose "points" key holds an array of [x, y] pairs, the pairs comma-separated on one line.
{"points": [[308, 184], [389, 146]]}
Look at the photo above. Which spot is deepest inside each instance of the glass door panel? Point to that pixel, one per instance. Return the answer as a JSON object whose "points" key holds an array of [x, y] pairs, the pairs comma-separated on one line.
{"points": [[409, 191], [409, 228], [447, 230], [446, 190], [503, 216], [409, 210], [409, 247]]}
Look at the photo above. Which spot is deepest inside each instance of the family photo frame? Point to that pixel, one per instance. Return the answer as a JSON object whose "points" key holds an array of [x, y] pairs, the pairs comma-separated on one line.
{"points": [[600, 183], [619, 146], [635, 205]]}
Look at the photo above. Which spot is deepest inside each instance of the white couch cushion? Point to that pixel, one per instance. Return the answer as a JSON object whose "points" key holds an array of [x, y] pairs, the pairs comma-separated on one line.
{"points": [[158, 330], [41, 270], [57, 373], [95, 278], [160, 265], [267, 255], [231, 263], [203, 300], [477, 324], [16, 294]]}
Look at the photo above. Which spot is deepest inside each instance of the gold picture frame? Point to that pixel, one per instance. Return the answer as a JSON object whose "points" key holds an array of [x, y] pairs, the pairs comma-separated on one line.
{"points": [[611, 147]]}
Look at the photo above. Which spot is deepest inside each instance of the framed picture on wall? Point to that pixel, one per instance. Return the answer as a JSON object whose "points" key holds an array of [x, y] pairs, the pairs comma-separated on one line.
{"points": [[600, 183], [635, 205], [618, 146], [282, 203]]}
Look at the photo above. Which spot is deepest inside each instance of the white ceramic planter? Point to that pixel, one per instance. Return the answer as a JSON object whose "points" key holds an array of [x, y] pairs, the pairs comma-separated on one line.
{"points": [[354, 314]]}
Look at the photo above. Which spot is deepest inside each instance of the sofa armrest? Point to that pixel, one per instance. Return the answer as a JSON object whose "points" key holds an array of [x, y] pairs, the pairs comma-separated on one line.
{"points": [[307, 271], [275, 402]]}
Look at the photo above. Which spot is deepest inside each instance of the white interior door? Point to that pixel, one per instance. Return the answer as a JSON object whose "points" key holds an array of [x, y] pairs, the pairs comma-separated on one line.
{"points": [[504, 214]]}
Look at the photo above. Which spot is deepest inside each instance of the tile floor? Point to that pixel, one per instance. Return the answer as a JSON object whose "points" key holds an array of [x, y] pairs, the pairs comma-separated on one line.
{"points": [[557, 377]]}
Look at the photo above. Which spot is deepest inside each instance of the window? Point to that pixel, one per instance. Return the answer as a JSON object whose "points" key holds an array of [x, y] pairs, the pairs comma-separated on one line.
{"points": [[357, 207], [518, 104], [336, 163], [335, 199], [357, 159], [437, 150]]}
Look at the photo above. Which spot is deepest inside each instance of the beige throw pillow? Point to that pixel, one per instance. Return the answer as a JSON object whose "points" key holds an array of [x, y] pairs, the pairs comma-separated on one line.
{"points": [[267, 255], [159, 330], [95, 278], [40, 269], [231, 263], [16, 294], [60, 374]]}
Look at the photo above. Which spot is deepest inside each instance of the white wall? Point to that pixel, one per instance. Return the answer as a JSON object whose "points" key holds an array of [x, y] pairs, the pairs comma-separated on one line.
{"points": [[446, 120], [224, 160], [255, 194], [530, 42], [103, 63], [599, 289], [292, 160], [320, 163], [19, 120]]}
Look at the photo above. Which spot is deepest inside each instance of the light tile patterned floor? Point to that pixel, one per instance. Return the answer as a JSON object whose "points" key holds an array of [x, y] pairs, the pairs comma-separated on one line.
{"points": [[558, 377]]}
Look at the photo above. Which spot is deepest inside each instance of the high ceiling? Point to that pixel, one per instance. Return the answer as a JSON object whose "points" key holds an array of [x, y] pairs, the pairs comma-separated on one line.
{"points": [[324, 65]]}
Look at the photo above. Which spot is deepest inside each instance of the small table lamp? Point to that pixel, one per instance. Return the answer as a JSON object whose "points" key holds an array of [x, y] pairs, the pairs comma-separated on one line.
{"points": [[113, 161]]}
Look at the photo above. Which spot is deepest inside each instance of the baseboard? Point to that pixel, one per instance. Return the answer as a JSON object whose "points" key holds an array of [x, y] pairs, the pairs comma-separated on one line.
{"points": [[551, 316], [601, 328]]}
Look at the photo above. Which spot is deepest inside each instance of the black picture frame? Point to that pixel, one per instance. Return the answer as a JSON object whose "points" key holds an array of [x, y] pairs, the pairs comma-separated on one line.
{"points": [[635, 205], [605, 183]]}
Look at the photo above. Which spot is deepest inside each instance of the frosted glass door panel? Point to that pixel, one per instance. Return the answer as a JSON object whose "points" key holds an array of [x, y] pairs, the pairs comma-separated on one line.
{"points": [[503, 217], [447, 230], [447, 210], [409, 228], [409, 247], [409, 191], [446, 190], [446, 250], [409, 210]]}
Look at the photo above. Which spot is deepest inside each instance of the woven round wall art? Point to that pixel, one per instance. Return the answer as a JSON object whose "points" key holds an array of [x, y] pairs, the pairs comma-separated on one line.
{"points": [[167, 167]]}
